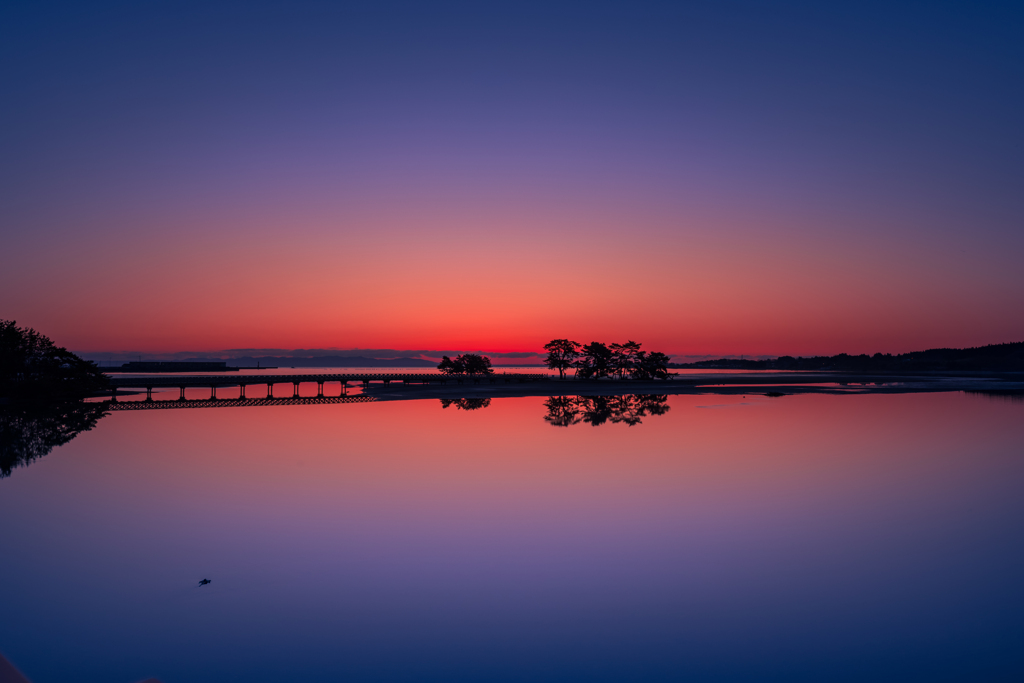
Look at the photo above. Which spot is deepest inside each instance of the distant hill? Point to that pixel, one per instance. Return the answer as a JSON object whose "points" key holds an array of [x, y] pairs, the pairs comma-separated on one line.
{"points": [[321, 362], [995, 357]]}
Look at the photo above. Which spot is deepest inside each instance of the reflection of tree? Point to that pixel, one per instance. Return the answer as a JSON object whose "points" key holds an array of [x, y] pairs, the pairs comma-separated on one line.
{"points": [[630, 409], [466, 403], [31, 430], [562, 411], [595, 410]]}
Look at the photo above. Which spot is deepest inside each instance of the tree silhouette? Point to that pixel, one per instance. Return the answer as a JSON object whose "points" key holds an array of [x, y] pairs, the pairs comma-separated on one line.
{"points": [[562, 355], [594, 361], [466, 364], [624, 358], [629, 359], [449, 367], [476, 365], [33, 366], [652, 365]]}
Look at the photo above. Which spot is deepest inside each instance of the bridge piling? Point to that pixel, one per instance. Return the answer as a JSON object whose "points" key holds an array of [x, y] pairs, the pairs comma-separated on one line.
{"points": [[320, 389], [241, 391], [295, 389], [181, 393]]}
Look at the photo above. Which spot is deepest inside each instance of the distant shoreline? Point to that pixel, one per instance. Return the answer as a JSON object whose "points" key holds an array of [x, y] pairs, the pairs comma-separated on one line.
{"points": [[994, 358]]}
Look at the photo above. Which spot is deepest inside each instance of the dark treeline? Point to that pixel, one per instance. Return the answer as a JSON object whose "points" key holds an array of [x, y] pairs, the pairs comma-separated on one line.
{"points": [[32, 366], [630, 409], [996, 357], [596, 360], [466, 364]]}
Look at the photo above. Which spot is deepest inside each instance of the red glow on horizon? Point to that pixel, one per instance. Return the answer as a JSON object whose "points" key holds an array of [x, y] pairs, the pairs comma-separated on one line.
{"points": [[700, 292]]}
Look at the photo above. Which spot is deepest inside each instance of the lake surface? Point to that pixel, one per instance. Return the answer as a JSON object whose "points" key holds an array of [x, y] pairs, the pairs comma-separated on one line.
{"points": [[728, 538]]}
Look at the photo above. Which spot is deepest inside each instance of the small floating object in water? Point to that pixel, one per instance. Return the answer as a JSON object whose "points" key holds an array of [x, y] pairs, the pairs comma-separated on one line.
{"points": [[774, 394], [204, 582]]}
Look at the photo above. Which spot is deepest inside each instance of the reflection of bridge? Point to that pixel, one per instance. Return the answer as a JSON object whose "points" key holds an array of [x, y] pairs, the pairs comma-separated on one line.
{"points": [[150, 404], [182, 382]]}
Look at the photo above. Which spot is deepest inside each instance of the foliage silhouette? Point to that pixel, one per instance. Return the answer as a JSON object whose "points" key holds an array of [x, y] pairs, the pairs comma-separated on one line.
{"points": [[629, 409], [653, 365], [466, 364], [595, 360], [31, 429], [625, 357], [562, 355], [32, 366]]}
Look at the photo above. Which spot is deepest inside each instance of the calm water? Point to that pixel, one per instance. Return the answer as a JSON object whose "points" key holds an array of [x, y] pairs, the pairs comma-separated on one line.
{"points": [[807, 538]]}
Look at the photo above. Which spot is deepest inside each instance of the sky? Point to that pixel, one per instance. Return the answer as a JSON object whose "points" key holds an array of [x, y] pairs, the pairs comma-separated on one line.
{"points": [[713, 178]]}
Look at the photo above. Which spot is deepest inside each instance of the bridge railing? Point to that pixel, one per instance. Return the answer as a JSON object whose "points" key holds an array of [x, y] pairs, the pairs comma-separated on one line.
{"points": [[236, 380]]}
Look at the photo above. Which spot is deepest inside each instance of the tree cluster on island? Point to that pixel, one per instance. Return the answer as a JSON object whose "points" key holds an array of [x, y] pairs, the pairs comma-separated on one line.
{"points": [[466, 364], [596, 360]]}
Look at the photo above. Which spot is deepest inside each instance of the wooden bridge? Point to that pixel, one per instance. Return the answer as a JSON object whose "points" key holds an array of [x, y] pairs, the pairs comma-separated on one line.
{"points": [[182, 382]]}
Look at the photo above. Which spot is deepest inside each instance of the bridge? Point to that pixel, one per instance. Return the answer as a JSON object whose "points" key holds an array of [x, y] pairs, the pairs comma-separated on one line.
{"points": [[182, 382], [121, 406]]}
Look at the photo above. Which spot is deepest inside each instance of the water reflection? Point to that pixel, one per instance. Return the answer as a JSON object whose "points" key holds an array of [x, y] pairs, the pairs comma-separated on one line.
{"points": [[630, 409], [466, 403], [995, 395], [29, 431], [870, 537]]}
